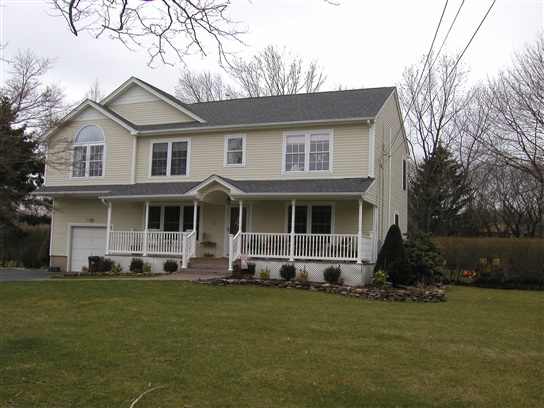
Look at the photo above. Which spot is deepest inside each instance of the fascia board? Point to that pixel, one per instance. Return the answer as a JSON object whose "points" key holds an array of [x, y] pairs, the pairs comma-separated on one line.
{"points": [[85, 104], [133, 80], [205, 129]]}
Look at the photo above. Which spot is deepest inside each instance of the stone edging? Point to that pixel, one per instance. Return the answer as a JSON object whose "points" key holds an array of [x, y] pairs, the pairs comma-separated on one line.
{"points": [[387, 293]]}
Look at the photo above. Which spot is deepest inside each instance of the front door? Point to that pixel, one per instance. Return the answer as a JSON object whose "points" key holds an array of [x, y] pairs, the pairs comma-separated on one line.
{"points": [[234, 224]]}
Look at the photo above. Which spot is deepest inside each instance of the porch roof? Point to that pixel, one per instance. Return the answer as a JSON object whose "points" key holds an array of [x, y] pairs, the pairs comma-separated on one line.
{"points": [[245, 188]]}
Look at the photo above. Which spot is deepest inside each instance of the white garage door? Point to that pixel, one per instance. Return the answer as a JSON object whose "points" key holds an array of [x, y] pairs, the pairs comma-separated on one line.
{"points": [[86, 241]]}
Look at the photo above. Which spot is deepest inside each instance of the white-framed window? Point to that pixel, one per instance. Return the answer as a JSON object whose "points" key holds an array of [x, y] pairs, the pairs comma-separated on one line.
{"points": [[396, 218], [169, 158], [235, 150], [311, 219], [173, 218], [88, 153], [306, 152]]}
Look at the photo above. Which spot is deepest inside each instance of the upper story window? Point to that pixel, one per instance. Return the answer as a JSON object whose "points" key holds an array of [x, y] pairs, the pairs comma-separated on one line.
{"points": [[170, 158], [235, 150], [88, 153], [308, 152]]}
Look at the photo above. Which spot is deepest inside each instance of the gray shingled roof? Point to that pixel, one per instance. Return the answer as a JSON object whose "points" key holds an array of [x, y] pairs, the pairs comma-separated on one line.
{"points": [[265, 187], [321, 106]]}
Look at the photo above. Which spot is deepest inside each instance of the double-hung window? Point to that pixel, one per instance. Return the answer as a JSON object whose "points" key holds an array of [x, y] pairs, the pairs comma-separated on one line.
{"points": [[170, 158], [235, 150], [88, 153], [308, 152]]}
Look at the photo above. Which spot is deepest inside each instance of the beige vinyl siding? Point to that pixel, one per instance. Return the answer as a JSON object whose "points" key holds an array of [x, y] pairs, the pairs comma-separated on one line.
{"points": [[118, 155], [74, 212], [151, 113], [269, 216], [127, 216], [264, 155], [389, 120], [347, 217]]}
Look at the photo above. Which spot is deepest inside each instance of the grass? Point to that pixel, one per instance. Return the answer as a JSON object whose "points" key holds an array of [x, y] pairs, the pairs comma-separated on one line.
{"points": [[104, 343]]}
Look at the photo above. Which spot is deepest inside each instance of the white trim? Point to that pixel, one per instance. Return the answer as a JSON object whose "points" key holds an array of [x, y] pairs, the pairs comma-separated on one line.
{"points": [[134, 80], [88, 145], [71, 226], [307, 142], [371, 148], [169, 158], [82, 106], [246, 127], [194, 192], [226, 150]]}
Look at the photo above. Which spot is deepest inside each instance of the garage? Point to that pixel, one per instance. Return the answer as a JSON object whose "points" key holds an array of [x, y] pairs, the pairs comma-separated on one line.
{"points": [[86, 241]]}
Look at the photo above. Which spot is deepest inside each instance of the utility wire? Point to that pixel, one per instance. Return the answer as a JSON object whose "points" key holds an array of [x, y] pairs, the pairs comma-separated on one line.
{"points": [[458, 59]]}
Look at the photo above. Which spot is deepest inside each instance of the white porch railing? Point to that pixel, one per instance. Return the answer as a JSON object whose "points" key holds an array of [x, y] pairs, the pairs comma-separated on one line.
{"points": [[328, 247], [155, 243]]}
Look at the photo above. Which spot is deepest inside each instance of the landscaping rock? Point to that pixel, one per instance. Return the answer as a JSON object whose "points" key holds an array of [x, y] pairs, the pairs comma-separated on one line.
{"points": [[406, 294]]}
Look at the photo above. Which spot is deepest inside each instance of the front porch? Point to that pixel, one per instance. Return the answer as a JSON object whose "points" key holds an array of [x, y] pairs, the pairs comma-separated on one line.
{"points": [[289, 247]]}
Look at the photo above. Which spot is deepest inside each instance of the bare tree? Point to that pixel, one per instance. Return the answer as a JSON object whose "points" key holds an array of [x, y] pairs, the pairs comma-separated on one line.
{"points": [[35, 105], [273, 71], [433, 94], [95, 93], [195, 87], [276, 71], [515, 101], [162, 27]]}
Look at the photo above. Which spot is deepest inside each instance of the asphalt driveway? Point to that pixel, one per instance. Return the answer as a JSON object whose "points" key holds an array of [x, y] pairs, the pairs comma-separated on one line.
{"points": [[24, 275]]}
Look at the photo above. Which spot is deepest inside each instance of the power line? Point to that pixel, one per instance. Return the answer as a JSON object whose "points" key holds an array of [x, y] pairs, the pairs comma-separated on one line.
{"points": [[456, 63]]}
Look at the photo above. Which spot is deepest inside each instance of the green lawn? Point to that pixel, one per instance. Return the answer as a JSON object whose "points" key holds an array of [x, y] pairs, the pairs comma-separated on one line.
{"points": [[74, 343]]}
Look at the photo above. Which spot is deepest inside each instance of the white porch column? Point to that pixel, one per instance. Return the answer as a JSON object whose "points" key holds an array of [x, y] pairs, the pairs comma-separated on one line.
{"points": [[292, 247], [184, 251], [146, 221], [360, 234], [231, 250], [240, 216], [108, 227], [195, 216]]}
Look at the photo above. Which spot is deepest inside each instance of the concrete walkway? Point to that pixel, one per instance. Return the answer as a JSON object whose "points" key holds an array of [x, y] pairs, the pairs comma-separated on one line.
{"points": [[189, 274]]}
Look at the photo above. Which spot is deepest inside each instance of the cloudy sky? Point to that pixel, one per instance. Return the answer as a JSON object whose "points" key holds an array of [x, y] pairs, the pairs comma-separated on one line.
{"points": [[359, 43]]}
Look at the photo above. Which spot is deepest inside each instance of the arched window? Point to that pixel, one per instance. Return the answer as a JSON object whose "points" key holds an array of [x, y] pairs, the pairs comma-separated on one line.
{"points": [[88, 153]]}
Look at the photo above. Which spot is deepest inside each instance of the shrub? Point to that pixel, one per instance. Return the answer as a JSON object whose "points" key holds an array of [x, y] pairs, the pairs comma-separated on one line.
{"points": [[264, 274], [170, 266], [94, 264], [105, 264], [250, 269], [332, 274], [136, 265], [393, 258], [426, 258], [288, 272], [116, 268], [380, 277], [303, 277], [146, 268]]}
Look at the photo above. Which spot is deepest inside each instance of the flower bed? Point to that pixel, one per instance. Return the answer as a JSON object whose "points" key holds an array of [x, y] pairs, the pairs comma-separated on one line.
{"points": [[387, 293]]}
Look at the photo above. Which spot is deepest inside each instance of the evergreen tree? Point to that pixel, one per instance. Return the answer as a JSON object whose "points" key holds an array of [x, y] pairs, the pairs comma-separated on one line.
{"points": [[439, 192], [393, 258], [21, 168]]}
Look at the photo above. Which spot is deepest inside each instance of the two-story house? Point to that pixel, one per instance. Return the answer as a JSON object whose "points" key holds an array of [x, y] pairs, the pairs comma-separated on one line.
{"points": [[314, 179]]}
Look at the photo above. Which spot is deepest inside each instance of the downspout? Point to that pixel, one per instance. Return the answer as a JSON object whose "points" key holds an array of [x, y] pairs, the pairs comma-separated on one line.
{"points": [[389, 199], [108, 226], [134, 150], [371, 147]]}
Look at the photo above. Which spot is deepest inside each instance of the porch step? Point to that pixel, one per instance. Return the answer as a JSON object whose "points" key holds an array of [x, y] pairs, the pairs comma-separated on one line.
{"points": [[221, 264]]}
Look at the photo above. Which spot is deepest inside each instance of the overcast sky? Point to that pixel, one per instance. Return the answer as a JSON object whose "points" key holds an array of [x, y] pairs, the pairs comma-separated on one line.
{"points": [[359, 43]]}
